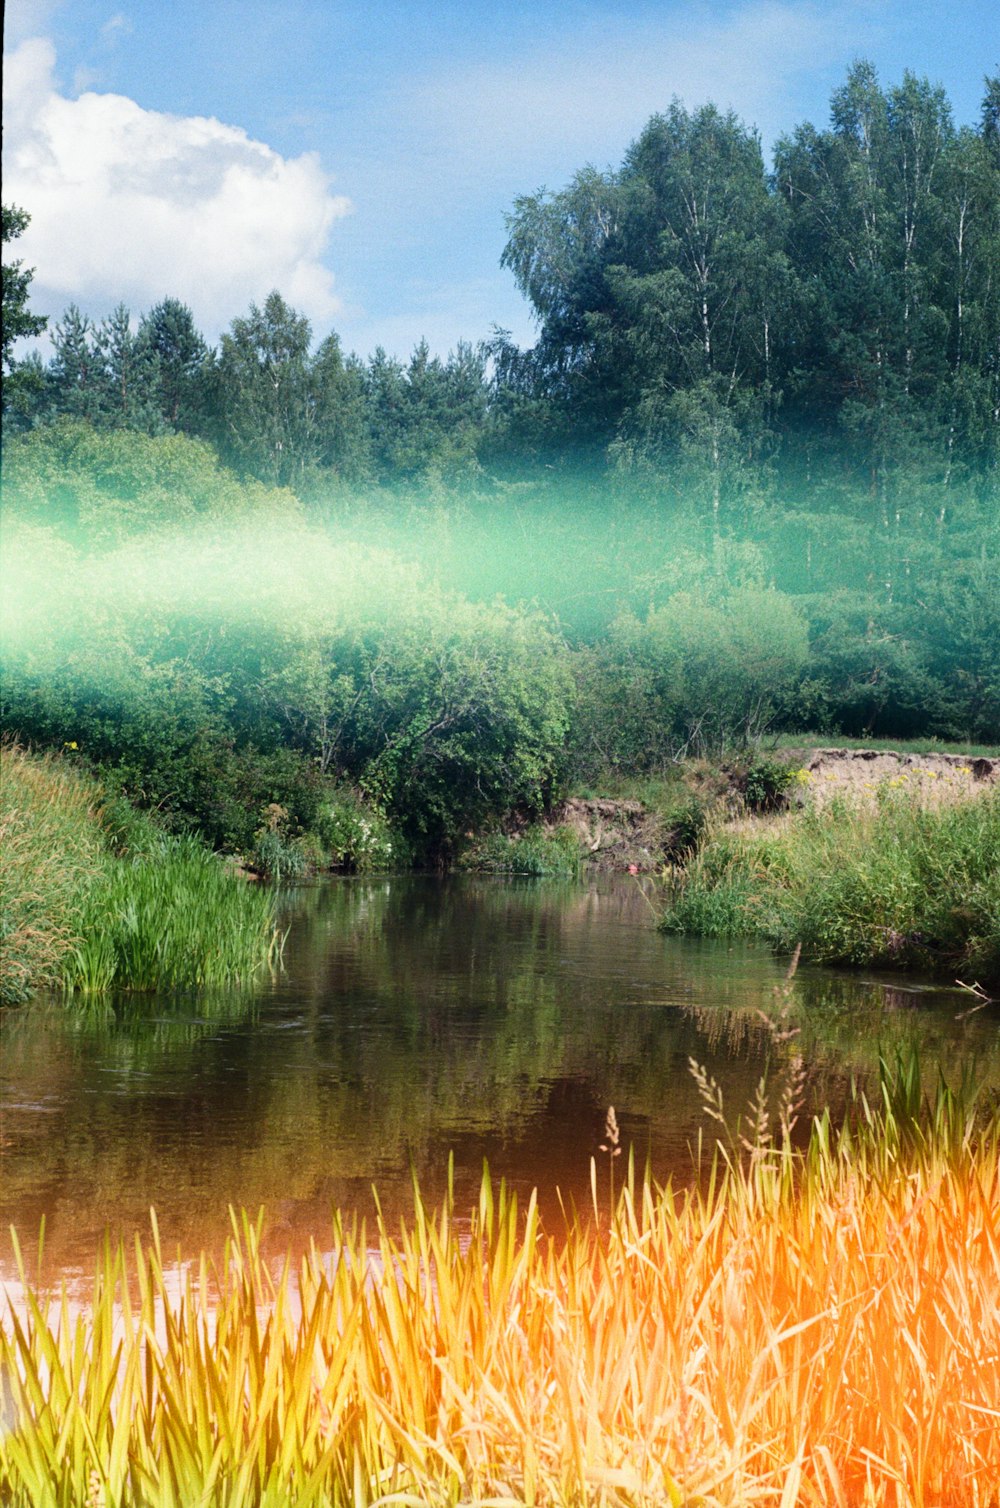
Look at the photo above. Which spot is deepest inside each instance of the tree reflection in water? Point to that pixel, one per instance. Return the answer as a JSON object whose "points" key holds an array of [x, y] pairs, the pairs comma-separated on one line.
{"points": [[416, 1017]]}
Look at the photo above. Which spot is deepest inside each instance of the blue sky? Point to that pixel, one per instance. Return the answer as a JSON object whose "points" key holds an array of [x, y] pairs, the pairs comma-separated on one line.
{"points": [[362, 157]]}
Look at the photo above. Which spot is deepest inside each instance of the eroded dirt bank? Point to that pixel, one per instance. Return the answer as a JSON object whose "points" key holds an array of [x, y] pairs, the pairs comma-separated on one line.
{"points": [[617, 834], [861, 773]]}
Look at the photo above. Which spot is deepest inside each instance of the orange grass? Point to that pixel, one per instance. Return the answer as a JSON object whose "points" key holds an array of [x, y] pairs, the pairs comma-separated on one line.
{"points": [[818, 1327]]}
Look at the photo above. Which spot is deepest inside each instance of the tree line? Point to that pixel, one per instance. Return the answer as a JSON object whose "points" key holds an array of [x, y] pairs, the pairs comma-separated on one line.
{"points": [[701, 321]]}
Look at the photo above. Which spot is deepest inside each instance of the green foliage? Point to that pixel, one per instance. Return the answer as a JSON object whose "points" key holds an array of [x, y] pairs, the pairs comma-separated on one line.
{"points": [[699, 675], [356, 837], [896, 885], [273, 854], [99, 488], [179, 358], [765, 784], [687, 819], [536, 851], [178, 921], [728, 888], [759, 425], [94, 896], [17, 321], [426, 419], [213, 702], [126, 831]]}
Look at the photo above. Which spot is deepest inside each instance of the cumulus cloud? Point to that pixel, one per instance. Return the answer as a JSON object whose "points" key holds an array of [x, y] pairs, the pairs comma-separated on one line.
{"points": [[134, 204]]}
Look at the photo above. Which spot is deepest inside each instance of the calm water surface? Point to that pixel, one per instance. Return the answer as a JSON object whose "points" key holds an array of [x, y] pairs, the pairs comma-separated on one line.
{"points": [[418, 1017]]}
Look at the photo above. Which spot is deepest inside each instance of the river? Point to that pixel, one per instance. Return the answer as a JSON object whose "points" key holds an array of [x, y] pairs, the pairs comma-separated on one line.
{"points": [[417, 1019]]}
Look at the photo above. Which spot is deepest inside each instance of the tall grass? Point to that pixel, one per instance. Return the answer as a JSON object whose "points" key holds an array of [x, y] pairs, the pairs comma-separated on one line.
{"points": [[897, 884], [818, 1327], [536, 852], [51, 856], [94, 897], [178, 922]]}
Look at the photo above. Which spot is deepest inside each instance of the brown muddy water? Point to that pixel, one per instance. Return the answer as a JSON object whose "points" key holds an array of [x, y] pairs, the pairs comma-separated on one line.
{"points": [[416, 1019]]}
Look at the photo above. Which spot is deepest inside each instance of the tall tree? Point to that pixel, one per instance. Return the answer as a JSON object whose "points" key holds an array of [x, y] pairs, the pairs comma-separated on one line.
{"points": [[427, 418], [875, 205], [268, 422], [169, 334], [343, 441], [17, 320], [969, 392], [664, 279], [129, 375], [709, 296], [559, 248], [76, 371]]}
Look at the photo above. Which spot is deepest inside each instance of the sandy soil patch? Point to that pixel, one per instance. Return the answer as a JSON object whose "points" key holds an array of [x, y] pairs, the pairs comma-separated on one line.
{"points": [[861, 774]]}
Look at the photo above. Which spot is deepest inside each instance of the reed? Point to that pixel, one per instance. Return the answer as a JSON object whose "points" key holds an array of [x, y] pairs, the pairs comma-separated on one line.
{"points": [[815, 1327], [179, 921], [895, 884]]}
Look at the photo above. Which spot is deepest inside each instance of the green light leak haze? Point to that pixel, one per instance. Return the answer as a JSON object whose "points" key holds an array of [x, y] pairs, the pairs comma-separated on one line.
{"points": [[451, 652]]}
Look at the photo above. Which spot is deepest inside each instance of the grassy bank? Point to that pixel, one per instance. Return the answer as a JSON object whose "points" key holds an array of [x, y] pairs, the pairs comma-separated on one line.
{"points": [[816, 1327], [892, 884], [93, 896]]}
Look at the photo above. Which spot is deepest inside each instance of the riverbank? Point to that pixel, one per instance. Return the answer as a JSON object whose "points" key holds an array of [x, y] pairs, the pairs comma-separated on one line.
{"points": [[886, 873], [888, 858], [867, 856], [95, 896]]}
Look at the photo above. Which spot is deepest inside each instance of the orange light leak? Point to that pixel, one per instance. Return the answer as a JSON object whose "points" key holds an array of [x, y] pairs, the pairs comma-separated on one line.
{"points": [[817, 1328]]}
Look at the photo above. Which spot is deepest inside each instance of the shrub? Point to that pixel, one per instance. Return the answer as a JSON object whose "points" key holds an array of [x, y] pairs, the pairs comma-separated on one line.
{"points": [[700, 675], [536, 851], [210, 700], [765, 784], [686, 823], [356, 836], [897, 885]]}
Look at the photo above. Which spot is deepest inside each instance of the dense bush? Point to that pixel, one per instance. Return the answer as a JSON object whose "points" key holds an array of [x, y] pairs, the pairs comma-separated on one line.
{"points": [[699, 675], [99, 487], [225, 672], [214, 670], [894, 884], [765, 784], [355, 836]]}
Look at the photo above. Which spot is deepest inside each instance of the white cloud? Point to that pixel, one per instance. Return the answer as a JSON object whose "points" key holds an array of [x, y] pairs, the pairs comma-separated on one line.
{"points": [[132, 204], [27, 18], [114, 27]]}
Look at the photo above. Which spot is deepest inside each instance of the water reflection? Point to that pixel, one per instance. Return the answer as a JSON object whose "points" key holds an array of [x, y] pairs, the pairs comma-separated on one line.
{"points": [[418, 1017]]}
